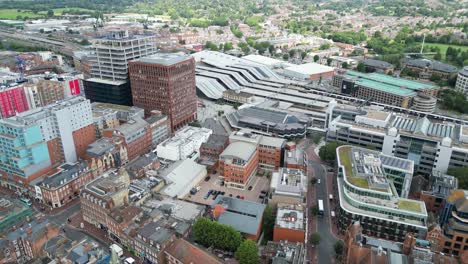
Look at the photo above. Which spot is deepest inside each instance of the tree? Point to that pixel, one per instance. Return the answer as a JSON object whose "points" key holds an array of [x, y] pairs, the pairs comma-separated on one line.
{"points": [[329, 61], [328, 151], [314, 239], [214, 234], [228, 46], [285, 56], [314, 210], [303, 54], [247, 253], [361, 67], [313, 180], [438, 56], [316, 58], [461, 175], [344, 65], [50, 13], [292, 53], [339, 247], [268, 223], [85, 42]]}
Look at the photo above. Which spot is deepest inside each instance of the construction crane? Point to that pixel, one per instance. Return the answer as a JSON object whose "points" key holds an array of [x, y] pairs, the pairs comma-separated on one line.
{"points": [[19, 63]]}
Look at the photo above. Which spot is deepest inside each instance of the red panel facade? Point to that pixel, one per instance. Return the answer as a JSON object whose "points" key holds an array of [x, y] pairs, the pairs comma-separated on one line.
{"points": [[12, 101]]}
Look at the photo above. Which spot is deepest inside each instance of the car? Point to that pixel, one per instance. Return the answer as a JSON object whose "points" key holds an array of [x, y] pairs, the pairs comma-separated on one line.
{"points": [[238, 196], [318, 181], [207, 195], [207, 178], [261, 196], [230, 195], [193, 191], [242, 197], [222, 193], [250, 188], [222, 183]]}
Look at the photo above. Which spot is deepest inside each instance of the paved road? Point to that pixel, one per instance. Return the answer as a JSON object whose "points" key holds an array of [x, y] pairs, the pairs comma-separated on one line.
{"points": [[60, 218], [325, 249]]}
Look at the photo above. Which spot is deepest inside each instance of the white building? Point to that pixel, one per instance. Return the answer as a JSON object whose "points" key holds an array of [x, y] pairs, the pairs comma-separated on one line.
{"points": [[309, 71], [185, 143], [60, 121], [183, 178], [462, 81]]}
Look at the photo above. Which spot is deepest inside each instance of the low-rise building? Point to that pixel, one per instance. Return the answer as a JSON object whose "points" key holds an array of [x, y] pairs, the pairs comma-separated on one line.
{"points": [[238, 96], [211, 149], [160, 127], [288, 186], [48, 91], [309, 71], [141, 165], [64, 185], [244, 216], [185, 175], [185, 143], [238, 163], [426, 68], [28, 242], [372, 65], [441, 186], [109, 116], [290, 223], [183, 252], [105, 153], [283, 252], [372, 188]]}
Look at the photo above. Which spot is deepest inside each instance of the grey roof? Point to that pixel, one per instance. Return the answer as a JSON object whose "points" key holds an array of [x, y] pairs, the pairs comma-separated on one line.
{"points": [[142, 161], [464, 71], [155, 232], [244, 216], [66, 174], [99, 147], [239, 149], [165, 59], [396, 162], [132, 127], [377, 63], [423, 126], [215, 141], [432, 64], [272, 141]]}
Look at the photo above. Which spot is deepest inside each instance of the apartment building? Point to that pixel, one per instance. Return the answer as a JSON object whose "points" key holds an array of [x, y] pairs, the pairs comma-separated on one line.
{"points": [[105, 154], [238, 163], [48, 91], [108, 116], [50, 135], [165, 82], [185, 143], [109, 65], [462, 81], [63, 186], [386, 89], [368, 193], [13, 100]]}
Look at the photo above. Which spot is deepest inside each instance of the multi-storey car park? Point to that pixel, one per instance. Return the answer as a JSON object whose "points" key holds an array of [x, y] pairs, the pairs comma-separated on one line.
{"points": [[368, 192], [431, 144]]}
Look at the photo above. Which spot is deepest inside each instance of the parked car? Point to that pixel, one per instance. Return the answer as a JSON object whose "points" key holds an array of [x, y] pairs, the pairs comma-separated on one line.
{"points": [[207, 178], [250, 188], [222, 183], [207, 194], [238, 196]]}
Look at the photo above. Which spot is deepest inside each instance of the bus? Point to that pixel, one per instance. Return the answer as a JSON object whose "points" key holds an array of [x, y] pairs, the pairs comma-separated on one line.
{"points": [[320, 207]]}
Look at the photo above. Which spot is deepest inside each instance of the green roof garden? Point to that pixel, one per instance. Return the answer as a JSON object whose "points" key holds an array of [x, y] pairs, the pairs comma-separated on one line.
{"points": [[408, 205]]}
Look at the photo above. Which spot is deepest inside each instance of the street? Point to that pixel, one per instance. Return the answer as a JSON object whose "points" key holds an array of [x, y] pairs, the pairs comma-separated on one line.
{"points": [[324, 252]]}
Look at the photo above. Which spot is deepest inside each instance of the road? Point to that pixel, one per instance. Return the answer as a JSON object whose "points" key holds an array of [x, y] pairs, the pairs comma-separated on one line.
{"points": [[324, 252]]}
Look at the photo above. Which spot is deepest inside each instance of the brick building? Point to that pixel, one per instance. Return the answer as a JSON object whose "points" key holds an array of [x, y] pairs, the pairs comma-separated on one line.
{"points": [[64, 185], [270, 149], [290, 224], [237, 163], [165, 82], [211, 149], [136, 135], [454, 222], [48, 91], [425, 68], [106, 153]]}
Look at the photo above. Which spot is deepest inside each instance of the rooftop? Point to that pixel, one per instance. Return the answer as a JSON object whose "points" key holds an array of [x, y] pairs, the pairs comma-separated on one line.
{"points": [[244, 216], [432, 64], [240, 150], [186, 172], [377, 63], [66, 173], [178, 209], [310, 68], [109, 184], [289, 182], [290, 216], [100, 147], [165, 59], [186, 252]]}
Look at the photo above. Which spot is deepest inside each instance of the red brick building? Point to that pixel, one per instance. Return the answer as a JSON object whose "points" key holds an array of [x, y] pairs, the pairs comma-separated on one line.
{"points": [[237, 163], [136, 135], [64, 185], [290, 223], [211, 149], [165, 82]]}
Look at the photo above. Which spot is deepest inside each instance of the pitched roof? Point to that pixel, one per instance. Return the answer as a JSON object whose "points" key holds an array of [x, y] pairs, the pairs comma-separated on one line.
{"points": [[187, 253]]}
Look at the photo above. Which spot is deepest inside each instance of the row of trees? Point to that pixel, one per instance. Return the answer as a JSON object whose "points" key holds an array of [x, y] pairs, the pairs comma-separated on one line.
{"points": [[453, 100], [213, 234]]}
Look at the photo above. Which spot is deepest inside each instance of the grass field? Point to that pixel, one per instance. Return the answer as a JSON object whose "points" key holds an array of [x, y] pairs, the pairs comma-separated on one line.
{"points": [[443, 47], [13, 13]]}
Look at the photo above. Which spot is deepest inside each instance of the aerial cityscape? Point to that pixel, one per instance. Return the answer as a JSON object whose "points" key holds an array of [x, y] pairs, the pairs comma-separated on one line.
{"points": [[238, 132]]}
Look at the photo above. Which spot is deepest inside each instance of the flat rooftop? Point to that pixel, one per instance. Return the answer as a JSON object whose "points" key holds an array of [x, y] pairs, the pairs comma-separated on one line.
{"points": [[165, 59], [310, 68], [290, 216]]}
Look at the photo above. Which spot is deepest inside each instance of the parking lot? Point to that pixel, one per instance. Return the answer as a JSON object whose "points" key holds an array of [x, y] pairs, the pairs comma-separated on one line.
{"points": [[258, 184]]}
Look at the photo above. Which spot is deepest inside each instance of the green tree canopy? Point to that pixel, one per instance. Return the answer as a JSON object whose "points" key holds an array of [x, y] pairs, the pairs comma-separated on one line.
{"points": [[268, 223], [339, 247], [314, 239], [328, 151], [247, 253], [462, 175], [213, 234]]}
